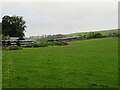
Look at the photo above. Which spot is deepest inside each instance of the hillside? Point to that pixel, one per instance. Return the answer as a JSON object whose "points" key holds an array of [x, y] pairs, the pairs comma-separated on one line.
{"points": [[103, 32]]}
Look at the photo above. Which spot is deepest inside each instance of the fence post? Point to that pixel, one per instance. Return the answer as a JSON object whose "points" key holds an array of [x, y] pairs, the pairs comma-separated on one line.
{"points": [[18, 43], [8, 43]]}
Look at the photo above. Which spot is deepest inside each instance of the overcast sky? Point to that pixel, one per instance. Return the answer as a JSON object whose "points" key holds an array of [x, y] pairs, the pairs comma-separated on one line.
{"points": [[43, 18]]}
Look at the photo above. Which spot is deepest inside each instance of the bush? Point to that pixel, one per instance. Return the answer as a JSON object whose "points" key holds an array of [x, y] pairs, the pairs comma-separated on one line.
{"points": [[45, 44], [5, 48], [5, 37], [11, 48], [93, 35], [64, 43], [15, 48], [58, 43], [54, 43], [37, 45], [114, 34], [45, 38]]}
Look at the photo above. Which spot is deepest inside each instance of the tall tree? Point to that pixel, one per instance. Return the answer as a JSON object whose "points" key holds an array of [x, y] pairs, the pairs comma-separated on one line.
{"points": [[13, 26]]}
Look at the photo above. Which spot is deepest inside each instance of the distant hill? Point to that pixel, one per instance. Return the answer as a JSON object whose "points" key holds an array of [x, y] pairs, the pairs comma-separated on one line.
{"points": [[103, 32]]}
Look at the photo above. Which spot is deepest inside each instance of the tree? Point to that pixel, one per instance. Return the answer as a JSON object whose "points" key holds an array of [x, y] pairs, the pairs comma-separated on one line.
{"points": [[93, 35], [14, 26]]}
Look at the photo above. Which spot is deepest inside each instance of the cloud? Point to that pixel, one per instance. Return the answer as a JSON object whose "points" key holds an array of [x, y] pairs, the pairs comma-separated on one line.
{"points": [[65, 17]]}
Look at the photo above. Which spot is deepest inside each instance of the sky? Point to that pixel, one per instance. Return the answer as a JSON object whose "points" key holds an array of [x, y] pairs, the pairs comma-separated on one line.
{"points": [[44, 18]]}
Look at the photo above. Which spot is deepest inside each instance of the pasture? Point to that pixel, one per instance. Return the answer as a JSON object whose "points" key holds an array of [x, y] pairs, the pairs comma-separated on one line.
{"points": [[81, 64], [103, 32]]}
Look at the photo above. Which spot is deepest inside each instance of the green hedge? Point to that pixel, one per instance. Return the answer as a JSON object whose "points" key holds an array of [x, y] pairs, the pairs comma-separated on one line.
{"points": [[11, 48], [45, 44]]}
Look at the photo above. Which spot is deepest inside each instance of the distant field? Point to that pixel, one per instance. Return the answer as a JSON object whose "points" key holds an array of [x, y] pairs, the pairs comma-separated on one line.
{"points": [[104, 32], [32, 39], [81, 64]]}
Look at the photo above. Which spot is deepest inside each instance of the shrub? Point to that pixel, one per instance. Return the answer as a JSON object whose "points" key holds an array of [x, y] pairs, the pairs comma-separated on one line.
{"points": [[93, 35], [114, 34], [5, 48], [64, 43], [58, 43], [11, 48], [54, 43], [44, 44], [45, 38], [97, 35], [37, 45], [28, 46], [15, 48], [5, 37]]}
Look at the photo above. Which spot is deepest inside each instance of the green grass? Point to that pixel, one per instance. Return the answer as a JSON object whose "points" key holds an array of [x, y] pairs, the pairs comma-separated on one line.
{"points": [[33, 38], [103, 32], [81, 64]]}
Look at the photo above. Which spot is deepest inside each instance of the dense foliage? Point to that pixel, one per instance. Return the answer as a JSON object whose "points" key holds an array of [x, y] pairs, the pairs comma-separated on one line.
{"points": [[14, 26], [115, 34], [11, 48], [44, 38], [93, 35], [44, 44], [4, 37]]}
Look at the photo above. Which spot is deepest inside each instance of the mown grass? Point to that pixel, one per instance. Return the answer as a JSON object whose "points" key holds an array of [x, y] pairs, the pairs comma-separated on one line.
{"points": [[81, 64]]}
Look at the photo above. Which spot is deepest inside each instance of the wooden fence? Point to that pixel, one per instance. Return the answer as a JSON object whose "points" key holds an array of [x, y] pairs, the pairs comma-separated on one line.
{"points": [[17, 42], [68, 39]]}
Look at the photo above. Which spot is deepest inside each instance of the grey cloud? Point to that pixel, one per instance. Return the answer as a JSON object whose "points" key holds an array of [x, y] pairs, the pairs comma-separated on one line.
{"points": [[52, 18]]}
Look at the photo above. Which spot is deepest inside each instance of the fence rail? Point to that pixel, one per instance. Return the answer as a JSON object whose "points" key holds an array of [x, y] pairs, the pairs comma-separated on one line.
{"points": [[16, 42], [68, 39]]}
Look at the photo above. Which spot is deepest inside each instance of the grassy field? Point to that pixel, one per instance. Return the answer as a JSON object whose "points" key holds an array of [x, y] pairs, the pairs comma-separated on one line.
{"points": [[81, 64], [103, 32]]}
